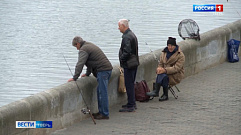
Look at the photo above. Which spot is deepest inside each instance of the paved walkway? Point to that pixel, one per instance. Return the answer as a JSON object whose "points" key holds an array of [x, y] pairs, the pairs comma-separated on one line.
{"points": [[209, 104]]}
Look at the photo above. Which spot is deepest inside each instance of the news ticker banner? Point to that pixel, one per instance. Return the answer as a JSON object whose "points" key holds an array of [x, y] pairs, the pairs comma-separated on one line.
{"points": [[34, 124], [208, 8]]}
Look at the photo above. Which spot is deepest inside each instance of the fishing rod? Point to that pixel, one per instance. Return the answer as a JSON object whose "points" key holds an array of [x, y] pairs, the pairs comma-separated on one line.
{"points": [[83, 110], [153, 53], [235, 9]]}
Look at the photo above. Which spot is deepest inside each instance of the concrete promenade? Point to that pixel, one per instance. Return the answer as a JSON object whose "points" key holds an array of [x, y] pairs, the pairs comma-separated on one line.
{"points": [[209, 104]]}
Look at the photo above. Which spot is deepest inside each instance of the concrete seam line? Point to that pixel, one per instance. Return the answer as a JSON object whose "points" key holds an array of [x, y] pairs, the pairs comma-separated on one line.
{"points": [[29, 106], [1, 117]]}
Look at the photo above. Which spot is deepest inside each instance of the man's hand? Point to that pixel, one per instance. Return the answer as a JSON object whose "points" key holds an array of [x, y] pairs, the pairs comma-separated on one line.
{"points": [[71, 79], [84, 75], [160, 70]]}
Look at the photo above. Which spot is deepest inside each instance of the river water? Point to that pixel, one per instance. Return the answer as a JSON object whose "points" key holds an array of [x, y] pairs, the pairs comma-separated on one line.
{"points": [[35, 34]]}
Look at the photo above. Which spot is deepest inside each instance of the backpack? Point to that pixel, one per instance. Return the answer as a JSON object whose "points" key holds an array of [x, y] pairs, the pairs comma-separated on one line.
{"points": [[141, 89]]}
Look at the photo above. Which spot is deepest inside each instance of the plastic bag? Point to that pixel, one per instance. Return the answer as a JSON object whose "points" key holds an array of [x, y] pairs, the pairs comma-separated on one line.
{"points": [[233, 46], [121, 86]]}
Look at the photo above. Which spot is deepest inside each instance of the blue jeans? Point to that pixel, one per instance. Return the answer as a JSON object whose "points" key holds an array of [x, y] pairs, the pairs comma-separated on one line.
{"points": [[130, 76], [102, 91]]}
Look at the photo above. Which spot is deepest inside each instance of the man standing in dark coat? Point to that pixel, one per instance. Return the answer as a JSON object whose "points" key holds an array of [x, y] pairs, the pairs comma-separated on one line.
{"points": [[129, 45]]}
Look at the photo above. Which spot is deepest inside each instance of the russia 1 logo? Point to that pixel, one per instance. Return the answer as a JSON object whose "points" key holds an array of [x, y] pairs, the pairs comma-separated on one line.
{"points": [[219, 8]]}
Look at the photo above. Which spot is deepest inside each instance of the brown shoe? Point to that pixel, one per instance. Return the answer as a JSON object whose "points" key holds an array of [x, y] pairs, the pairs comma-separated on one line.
{"points": [[95, 114], [101, 117]]}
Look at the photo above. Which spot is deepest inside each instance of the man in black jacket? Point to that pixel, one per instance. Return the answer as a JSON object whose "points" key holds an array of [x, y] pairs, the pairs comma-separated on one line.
{"points": [[129, 45]]}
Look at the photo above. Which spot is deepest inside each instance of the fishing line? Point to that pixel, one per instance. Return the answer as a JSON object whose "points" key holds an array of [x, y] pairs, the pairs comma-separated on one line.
{"points": [[235, 9], [153, 53], [83, 110], [74, 81]]}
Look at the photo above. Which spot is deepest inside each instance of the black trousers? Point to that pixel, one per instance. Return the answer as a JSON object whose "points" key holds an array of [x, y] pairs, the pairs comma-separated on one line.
{"points": [[130, 76], [162, 79]]}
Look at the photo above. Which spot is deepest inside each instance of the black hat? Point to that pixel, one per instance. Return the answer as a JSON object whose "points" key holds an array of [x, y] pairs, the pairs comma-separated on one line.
{"points": [[171, 41]]}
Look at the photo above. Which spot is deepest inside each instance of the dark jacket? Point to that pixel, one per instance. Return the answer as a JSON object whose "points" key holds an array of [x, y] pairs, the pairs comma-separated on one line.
{"points": [[129, 45], [94, 59], [173, 65]]}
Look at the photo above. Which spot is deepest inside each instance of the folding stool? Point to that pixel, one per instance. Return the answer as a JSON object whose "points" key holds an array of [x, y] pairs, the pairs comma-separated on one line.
{"points": [[173, 92]]}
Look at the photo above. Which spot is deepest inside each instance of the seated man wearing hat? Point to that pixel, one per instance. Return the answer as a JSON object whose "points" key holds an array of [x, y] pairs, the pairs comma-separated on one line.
{"points": [[170, 69]]}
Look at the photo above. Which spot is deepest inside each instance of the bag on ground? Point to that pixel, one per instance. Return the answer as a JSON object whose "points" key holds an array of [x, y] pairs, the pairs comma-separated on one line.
{"points": [[233, 46], [141, 89]]}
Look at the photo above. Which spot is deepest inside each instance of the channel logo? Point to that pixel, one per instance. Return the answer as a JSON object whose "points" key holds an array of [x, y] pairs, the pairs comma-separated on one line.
{"points": [[208, 8], [33, 124]]}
